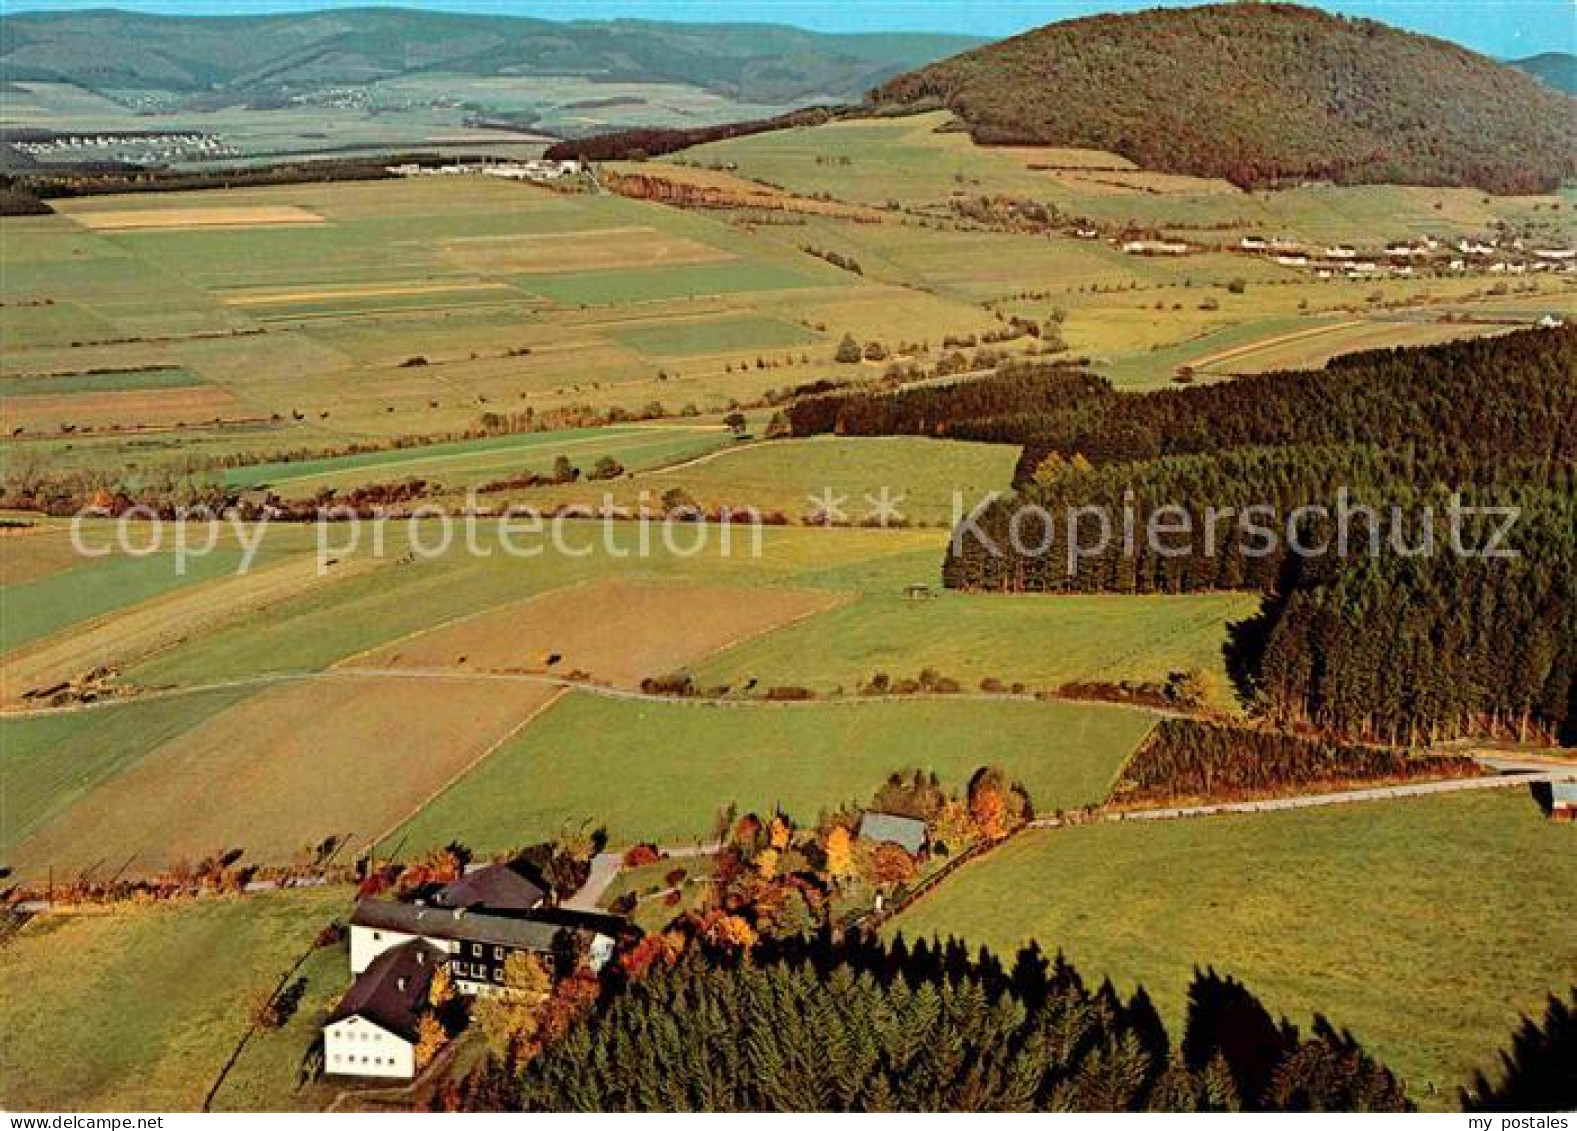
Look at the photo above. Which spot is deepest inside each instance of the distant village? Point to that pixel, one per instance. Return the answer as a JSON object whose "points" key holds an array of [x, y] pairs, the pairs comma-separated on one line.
{"points": [[137, 148], [1494, 256], [535, 169]]}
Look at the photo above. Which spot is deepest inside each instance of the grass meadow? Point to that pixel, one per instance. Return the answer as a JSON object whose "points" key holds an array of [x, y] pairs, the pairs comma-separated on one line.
{"points": [[139, 1007], [663, 771]]}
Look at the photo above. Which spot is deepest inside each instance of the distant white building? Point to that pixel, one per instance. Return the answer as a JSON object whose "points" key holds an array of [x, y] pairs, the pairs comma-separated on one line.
{"points": [[1156, 247]]}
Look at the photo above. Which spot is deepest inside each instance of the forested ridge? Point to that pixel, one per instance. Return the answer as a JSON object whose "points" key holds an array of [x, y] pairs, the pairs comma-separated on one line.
{"points": [[1258, 94], [1399, 615]]}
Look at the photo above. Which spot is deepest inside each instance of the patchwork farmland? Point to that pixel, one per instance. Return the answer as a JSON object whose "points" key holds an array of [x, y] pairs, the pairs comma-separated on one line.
{"points": [[449, 347]]}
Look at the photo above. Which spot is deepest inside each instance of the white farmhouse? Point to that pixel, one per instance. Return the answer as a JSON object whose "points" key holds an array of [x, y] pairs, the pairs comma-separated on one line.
{"points": [[373, 1030]]}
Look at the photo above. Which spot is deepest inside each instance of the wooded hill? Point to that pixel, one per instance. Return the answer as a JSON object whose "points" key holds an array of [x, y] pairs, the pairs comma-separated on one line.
{"points": [[1259, 94]]}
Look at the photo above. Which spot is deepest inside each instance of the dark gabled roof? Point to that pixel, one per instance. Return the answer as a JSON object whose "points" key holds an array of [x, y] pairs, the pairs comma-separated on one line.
{"points": [[906, 832], [597, 922], [492, 887], [391, 992], [456, 924]]}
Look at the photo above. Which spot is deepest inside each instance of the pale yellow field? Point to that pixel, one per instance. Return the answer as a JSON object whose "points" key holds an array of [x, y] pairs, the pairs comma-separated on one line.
{"points": [[272, 298], [141, 219], [597, 250]]}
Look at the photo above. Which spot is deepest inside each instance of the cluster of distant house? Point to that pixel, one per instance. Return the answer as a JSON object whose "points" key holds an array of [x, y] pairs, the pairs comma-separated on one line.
{"points": [[470, 928], [135, 146], [535, 169], [1401, 259], [1513, 257]]}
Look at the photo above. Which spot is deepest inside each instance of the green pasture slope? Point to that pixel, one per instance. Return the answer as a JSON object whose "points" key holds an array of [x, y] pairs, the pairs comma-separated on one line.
{"points": [[138, 1009], [661, 772], [1424, 925]]}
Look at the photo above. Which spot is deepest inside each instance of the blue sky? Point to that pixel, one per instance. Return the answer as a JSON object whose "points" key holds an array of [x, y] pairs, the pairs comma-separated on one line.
{"points": [[1504, 28]]}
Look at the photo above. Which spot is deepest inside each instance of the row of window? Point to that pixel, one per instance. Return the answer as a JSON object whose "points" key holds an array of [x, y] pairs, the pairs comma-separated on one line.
{"points": [[387, 1061], [475, 971]]}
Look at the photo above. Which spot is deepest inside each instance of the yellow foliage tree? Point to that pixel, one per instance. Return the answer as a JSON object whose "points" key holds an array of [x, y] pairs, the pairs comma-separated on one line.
{"points": [[441, 991], [430, 1040], [988, 809], [840, 853], [508, 1019]]}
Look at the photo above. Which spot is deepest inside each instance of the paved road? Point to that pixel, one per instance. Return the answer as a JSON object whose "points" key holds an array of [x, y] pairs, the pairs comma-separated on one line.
{"points": [[605, 867]]}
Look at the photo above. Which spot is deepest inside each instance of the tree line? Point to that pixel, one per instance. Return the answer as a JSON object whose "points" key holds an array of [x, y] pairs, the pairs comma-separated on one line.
{"points": [[1198, 760], [1375, 624]]}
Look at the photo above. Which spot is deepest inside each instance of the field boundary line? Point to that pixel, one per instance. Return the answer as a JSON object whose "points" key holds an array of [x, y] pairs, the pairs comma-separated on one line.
{"points": [[462, 618], [1279, 340], [472, 766]]}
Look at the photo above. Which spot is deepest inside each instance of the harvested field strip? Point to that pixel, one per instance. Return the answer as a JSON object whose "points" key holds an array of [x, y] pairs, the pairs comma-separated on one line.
{"points": [[1266, 343], [143, 630], [590, 250], [278, 298], [292, 765], [169, 219], [48, 762], [616, 630], [177, 405]]}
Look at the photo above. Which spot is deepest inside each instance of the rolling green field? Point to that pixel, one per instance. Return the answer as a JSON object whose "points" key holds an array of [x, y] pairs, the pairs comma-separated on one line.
{"points": [[1423, 925], [51, 761], [788, 476], [662, 771], [140, 1007], [1040, 641], [72, 778], [470, 463]]}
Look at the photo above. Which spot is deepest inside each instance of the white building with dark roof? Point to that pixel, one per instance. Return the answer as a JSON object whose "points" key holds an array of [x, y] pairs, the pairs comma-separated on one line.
{"points": [[373, 1030]]}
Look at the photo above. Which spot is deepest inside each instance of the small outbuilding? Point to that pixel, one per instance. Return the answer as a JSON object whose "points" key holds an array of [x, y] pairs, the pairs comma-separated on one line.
{"points": [[908, 833], [1563, 801]]}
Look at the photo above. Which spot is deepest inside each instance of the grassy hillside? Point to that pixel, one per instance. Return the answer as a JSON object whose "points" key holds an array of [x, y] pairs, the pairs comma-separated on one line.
{"points": [[1422, 924], [1259, 93], [137, 1009], [261, 58]]}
